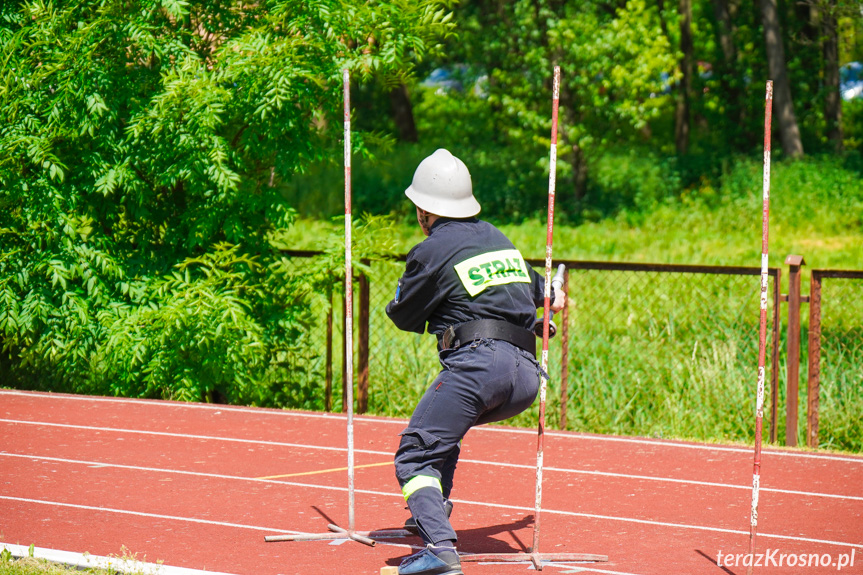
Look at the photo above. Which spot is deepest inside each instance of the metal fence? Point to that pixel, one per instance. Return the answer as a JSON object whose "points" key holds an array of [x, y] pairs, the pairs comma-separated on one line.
{"points": [[657, 347], [640, 347]]}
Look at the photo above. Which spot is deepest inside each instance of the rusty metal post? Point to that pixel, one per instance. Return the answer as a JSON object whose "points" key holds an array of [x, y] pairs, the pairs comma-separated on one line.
{"points": [[813, 386], [328, 391], [774, 358], [344, 353], [792, 385], [762, 327], [363, 345], [564, 354]]}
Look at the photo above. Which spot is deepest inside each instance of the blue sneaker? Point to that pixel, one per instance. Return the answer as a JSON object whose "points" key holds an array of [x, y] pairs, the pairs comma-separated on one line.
{"points": [[444, 561], [411, 524]]}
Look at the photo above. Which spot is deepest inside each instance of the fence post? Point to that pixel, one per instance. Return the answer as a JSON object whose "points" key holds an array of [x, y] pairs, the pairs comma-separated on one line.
{"points": [[774, 358], [564, 353], [813, 386], [363, 344], [328, 391], [792, 385], [345, 351]]}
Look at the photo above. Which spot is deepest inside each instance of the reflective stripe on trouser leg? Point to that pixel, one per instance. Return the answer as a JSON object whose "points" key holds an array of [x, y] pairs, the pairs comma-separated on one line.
{"points": [[417, 483], [427, 507]]}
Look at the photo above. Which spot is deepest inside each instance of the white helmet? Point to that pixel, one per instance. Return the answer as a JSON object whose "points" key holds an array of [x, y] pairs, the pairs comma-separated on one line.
{"points": [[442, 186]]}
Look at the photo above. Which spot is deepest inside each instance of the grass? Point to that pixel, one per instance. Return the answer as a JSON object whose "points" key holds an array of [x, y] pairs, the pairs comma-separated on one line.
{"points": [[31, 565]]}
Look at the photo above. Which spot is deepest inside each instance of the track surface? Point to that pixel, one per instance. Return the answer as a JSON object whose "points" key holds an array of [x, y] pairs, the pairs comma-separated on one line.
{"points": [[199, 486]]}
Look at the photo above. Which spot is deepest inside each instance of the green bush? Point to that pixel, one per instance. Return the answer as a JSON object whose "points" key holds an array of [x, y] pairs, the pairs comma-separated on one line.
{"points": [[142, 145]]}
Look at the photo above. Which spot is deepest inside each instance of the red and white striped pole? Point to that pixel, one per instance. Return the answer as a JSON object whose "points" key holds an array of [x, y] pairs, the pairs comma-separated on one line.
{"points": [[337, 532], [762, 333], [552, 170], [534, 556], [349, 300]]}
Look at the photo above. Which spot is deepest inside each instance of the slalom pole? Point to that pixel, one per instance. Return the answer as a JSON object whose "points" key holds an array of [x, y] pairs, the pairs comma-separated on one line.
{"points": [[552, 172], [349, 298], [534, 556], [337, 532], [762, 332]]}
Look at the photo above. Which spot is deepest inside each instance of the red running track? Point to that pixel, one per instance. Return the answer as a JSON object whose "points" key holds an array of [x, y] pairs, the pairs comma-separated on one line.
{"points": [[199, 487]]}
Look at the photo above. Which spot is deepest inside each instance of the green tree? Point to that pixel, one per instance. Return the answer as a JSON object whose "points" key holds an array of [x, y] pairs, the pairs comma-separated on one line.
{"points": [[613, 57], [141, 143]]}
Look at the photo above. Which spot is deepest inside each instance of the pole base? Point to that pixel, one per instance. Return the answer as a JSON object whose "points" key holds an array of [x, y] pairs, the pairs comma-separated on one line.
{"points": [[364, 537], [536, 558]]}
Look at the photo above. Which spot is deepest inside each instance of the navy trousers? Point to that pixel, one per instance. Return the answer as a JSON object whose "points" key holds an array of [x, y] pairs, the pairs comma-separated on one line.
{"points": [[481, 382]]}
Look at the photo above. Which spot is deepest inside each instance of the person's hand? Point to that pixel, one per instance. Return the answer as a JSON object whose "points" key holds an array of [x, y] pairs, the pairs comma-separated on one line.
{"points": [[559, 300]]}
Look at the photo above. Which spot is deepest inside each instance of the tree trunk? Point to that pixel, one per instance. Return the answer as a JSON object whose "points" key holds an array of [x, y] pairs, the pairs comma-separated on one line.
{"points": [[681, 115], [403, 114], [579, 173], [569, 117], [789, 131], [830, 51], [728, 78]]}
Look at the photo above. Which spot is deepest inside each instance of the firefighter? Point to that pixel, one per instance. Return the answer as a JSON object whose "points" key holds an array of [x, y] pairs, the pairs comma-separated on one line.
{"points": [[468, 285]]}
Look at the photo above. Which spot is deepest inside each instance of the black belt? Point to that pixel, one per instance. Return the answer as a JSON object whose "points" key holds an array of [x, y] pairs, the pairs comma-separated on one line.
{"points": [[454, 336]]}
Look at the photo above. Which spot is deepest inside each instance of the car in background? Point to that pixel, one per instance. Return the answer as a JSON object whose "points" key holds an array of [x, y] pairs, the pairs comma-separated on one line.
{"points": [[851, 80], [456, 78]]}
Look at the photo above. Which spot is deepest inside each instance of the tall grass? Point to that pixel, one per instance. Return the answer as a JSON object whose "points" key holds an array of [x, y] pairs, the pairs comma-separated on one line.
{"points": [[663, 365], [660, 364]]}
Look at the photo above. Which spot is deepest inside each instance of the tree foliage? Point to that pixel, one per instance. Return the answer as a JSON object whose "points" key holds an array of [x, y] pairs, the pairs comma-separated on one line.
{"points": [[142, 145], [622, 75]]}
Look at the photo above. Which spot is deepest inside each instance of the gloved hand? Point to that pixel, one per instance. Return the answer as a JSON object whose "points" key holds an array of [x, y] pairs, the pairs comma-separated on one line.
{"points": [[558, 293], [557, 303]]}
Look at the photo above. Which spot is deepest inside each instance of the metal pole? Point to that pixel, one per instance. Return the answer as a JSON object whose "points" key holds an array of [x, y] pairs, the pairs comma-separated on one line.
{"points": [[792, 384], [328, 389], [338, 532], [814, 377], [762, 332], [552, 169], [534, 556], [774, 358], [349, 298], [564, 355], [363, 344]]}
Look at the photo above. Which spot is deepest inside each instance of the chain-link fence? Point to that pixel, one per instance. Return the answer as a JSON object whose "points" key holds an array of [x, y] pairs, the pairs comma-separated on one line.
{"points": [[835, 350], [665, 350], [648, 349], [657, 350]]}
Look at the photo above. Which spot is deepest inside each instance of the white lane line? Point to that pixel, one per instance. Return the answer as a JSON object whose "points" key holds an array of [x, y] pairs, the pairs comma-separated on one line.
{"points": [[188, 436], [665, 443], [460, 501], [162, 470], [142, 514], [110, 564], [465, 460], [178, 404], [402, 421], [660, 523], [135, 567]]}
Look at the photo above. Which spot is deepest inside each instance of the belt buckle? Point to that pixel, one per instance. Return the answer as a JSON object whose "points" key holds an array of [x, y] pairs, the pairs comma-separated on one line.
{"points": [[448, 337]]}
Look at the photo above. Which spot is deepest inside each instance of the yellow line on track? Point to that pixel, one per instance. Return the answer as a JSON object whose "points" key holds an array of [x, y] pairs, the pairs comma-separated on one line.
{"points": [[326, 470]]}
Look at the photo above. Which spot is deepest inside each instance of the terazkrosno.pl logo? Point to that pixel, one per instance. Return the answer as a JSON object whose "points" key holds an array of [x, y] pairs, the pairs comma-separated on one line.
{"points": [[775, 558]]}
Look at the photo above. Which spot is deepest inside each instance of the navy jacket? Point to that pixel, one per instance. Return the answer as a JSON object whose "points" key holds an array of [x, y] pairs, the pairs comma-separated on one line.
{"points": [[465, 270]]}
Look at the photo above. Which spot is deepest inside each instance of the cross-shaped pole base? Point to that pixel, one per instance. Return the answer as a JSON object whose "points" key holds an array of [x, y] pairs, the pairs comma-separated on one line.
{"points": [[337, 532], [536, 558]]}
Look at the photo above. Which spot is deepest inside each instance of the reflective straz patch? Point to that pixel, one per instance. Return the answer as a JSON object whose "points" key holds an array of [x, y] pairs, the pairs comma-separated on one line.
{"points": [[491, 269]]}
